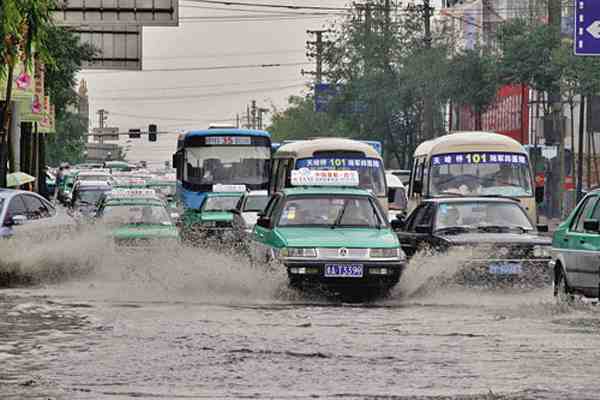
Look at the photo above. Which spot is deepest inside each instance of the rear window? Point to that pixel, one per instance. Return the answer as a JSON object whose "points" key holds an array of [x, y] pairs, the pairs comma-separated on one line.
{"points": [[256, 203]]}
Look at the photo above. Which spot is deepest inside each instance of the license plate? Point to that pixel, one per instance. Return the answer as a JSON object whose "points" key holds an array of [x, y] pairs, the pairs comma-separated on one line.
{"points": [[344, 270], [505, 268]]}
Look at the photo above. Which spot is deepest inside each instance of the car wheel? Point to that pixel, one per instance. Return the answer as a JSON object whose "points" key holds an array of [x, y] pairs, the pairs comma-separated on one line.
{"points": [[562, 292]]}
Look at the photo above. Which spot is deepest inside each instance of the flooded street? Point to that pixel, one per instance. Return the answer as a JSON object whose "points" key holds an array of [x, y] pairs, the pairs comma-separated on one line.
{"points": [[197, 324]]}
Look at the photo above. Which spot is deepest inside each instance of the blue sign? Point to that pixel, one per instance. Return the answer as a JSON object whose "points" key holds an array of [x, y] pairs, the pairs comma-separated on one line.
{"points": [[338, 163], [479, 158], [324, 94], [587, 28]]}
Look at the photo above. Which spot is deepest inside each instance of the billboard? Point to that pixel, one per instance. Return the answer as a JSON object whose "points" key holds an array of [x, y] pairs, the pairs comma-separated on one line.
{"points": [[508, 115], [130, 12], [120, 46]]}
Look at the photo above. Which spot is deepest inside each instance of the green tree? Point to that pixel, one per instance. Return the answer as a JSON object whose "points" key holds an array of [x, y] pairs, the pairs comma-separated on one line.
{"points": [[24, 25], [481, 87], [68, 54], [68, 144], [300, 121]]}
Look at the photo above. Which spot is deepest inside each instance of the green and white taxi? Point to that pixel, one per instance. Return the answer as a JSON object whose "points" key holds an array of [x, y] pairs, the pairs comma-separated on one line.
{"points": [[137, 218], [576, 251], [329, 233], [215, 215]]}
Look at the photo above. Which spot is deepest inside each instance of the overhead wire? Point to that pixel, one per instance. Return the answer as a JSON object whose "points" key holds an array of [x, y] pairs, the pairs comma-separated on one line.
{"points": [[211, 68]]}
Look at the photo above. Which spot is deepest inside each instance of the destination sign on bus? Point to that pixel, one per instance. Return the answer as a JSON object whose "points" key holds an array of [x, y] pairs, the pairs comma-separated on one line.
{"points": [[338, 163], [479, 158], [229, 140]]}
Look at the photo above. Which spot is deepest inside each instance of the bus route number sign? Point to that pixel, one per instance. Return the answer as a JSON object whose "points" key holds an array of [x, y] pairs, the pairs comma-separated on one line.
{"points": [[479, 158], [229, 140]]}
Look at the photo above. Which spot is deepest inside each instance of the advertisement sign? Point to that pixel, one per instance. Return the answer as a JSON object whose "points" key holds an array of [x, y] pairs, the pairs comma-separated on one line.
{"points": [[306, 177], [33, 113], [508, 115]]}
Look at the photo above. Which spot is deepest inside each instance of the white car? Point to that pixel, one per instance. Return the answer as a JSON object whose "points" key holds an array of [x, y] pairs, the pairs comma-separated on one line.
{"points": [[26, 213], [249, 206], [397, 196]]}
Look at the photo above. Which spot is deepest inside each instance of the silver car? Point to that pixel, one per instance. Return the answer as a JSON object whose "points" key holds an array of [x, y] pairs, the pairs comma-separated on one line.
{"points": [[27, 213]]}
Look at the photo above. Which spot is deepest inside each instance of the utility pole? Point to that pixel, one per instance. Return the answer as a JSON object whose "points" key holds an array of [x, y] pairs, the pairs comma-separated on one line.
{"points": [[315, 50], [428, 98], [253, 113], [102, 117], [554, 20], [261, 111]]}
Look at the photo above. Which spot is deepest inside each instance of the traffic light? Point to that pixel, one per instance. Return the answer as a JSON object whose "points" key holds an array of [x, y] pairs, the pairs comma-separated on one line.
{"points": [[135, 133], [152, 132]]}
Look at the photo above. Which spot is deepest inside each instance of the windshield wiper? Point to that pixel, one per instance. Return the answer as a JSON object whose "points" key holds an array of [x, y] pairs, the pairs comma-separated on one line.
{"points": [[450, 230], [450, 194], [487, 228], [501, 196]]}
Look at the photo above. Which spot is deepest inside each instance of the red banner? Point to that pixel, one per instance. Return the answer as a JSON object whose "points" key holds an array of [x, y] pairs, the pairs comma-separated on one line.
{"points": [[508, 115]]}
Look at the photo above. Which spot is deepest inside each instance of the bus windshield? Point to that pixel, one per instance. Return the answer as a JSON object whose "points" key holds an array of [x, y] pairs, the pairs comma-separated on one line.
{"points": [[370, 170], [482, 173], [227, 165]]}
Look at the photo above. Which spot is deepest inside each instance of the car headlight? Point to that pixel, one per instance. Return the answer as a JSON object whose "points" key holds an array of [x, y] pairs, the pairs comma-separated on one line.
{"points": [[385, 253], [298, 252], [542, 251]]}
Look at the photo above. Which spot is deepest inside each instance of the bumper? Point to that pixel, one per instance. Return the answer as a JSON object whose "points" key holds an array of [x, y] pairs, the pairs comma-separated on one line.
{"points": [[530, 272], [376, 274]]}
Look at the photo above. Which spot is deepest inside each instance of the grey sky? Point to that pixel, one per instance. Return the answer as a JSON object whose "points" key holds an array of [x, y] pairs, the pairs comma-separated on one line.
{"points": [[193, 99]]}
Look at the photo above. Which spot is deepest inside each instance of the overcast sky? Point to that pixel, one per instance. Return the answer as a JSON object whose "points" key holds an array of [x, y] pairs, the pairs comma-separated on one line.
{"points": [[193, 99]]}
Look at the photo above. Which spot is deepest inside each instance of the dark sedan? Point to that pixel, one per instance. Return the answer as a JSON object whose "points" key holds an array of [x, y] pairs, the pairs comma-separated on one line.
{"points": [[498, 241]]}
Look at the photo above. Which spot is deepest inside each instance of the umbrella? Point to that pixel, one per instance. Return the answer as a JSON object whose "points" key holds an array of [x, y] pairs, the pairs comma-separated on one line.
{"points": [[18, 179]]}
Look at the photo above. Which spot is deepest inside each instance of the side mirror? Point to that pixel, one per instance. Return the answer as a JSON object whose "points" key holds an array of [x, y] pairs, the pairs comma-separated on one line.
{"points": [[19, 220], [398, 223], [264, 222], [423, 229], [539, 195], [417, 187], [542, 228], [592, 225]]}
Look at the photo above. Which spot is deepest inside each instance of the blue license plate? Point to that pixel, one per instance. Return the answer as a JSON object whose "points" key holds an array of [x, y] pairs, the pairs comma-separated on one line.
{"points": [[505, 268], [344, 270]]}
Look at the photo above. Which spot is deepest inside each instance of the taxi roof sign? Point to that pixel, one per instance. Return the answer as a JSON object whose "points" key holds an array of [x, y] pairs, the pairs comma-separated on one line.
{"points": [[133, 194], [229, 188], [307, 177]]}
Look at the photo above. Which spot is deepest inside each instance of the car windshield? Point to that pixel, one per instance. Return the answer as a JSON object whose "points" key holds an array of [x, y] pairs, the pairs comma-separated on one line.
{"points": [[256, 203], [228, 165], [223, 203], [330, 211], [475, 215], [135, 214], [501, 174], [164, 190], [90, 196]]}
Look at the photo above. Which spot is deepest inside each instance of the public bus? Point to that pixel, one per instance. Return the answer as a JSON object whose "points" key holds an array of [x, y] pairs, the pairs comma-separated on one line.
{"points": [[473, 164], [330, 154], [217, 157]]}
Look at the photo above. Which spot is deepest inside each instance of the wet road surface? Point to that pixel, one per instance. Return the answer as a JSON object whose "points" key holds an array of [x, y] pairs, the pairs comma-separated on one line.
{"points": [[193, 324]]}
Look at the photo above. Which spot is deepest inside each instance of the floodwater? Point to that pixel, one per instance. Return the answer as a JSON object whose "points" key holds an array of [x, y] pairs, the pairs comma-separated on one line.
{"points": [[199, 324]]}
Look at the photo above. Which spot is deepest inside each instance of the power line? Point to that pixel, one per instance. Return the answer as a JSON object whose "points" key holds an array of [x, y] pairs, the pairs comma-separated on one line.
{"points": [[213, 68], [201, 96], [264, 5], [197, 87], [194, 6], [232, 54]]}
